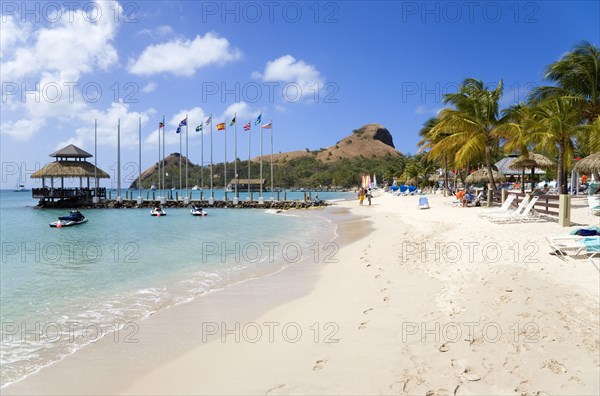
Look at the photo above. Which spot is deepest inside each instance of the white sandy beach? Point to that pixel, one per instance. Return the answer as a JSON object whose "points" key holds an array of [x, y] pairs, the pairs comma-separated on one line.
{"points": [[425, 302]]}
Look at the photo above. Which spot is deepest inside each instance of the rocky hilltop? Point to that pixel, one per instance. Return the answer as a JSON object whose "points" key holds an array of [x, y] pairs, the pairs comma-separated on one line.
{"points": [[370, 140]]}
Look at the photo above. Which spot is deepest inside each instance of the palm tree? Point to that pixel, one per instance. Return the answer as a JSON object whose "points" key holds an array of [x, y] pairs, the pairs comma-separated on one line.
{"points": [[470, 130], [577, 73], [515, 135], [428, 141], [554, 123]]}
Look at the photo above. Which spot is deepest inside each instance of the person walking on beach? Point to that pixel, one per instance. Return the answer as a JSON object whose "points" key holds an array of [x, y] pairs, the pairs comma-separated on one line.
{"points": [[369, 196], [361, 196]]}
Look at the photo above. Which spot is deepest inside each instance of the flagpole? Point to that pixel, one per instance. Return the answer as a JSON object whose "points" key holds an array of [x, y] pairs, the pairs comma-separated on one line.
{"points": [[119, 160], [186, 159], [158, 163], [163, 160], [96, 199], [249, 147], [202, 158], [261, 160], [140, 162], [225, 163], [272, 197], [180, 155], [235, 175], [212, 194]]}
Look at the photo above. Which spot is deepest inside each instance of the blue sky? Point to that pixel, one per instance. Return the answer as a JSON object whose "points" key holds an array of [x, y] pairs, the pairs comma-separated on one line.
{"points": [[317, 69]]}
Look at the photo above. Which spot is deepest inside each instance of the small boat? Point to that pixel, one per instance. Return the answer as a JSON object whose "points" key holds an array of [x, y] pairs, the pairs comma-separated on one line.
{"points": [[158, 212], [196, 211], [74, 218], [195, 188], [20, 187]]}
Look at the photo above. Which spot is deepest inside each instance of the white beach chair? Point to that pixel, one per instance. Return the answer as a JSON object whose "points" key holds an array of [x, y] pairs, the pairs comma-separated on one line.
{"points": [[519, 210], [594, 204], [503, 209], [574, 245], [527, 215]]}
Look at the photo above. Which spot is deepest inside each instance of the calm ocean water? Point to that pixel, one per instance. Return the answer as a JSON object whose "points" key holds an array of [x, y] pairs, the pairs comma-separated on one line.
{"points": [[63, 288]]}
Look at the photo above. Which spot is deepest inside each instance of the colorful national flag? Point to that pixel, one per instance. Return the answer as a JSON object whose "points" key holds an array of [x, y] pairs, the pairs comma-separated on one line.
{"points": [[220, 126], [178, 130], [232, 123], [161, 125], [247, 126], [267, 126], [183, 122], [258, 119], [199, 128], [209, 119]]}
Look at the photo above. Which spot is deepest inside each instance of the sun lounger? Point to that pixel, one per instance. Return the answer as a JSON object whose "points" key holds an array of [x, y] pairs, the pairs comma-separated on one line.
{"points": [[505, 208], [594, 204], [528, 214], [423, 203], [574, 245]]}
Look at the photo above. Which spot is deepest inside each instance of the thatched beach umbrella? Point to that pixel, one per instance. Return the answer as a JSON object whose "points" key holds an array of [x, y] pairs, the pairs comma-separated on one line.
{"points": [[590, 164], [531, 161], [437, 177], [482, 175]]}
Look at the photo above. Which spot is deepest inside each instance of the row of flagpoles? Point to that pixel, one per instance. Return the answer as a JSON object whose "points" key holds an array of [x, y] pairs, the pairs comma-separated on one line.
{"points": [[200, 128]]}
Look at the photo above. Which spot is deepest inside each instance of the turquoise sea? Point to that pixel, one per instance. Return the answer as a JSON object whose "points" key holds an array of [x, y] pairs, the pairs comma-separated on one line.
{"points": [[61, 289]]}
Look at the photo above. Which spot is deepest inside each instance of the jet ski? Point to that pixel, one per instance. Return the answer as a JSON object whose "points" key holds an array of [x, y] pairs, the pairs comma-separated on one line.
{"points": [[196, 211], [74, 218], [158, 212]]}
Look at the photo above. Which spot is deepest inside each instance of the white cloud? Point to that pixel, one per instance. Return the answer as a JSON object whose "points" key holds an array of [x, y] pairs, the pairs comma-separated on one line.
{"points": [[420, 110], [12, 34], [77, 45], [184, 57], [289, 70], [49, 60], [159, 31], [150, 87], [22, 130], [107, 126], [241, 110]]}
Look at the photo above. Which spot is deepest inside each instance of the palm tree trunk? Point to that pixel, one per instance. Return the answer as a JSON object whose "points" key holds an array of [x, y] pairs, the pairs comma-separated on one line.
{"points": [[488, 164], [523, 180], [561, 173], [532, 177], [445, 173]]}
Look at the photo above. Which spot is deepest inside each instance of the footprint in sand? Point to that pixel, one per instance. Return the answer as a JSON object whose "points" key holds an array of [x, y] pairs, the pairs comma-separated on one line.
{"points": [[320, 364], [366, 311], [368, 265], [386, 298], [377, 276], [270, 391], [439, 392], [382, 290], [363, 325], [399, 387], [554, 366]]}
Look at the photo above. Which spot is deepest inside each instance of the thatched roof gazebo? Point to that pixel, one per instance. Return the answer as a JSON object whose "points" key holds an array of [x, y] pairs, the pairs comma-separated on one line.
{"points": [[588, 165], [531, 161], [71, 162], [482, 175]]}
